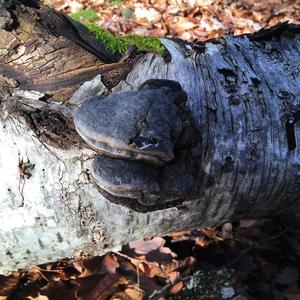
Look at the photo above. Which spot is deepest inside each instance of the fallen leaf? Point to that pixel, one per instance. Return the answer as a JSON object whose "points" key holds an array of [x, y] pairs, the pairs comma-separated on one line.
{"points": [[144, 16], [8, 284], [99, 286], [96, 265], [145, 246], [152, 249], [110, 264], [176, 288], [134, 292], [59, 290], [39, 297]]}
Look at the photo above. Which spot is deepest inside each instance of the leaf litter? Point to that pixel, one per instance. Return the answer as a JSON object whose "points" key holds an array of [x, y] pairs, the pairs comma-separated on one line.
{"points": [[254, 259]]}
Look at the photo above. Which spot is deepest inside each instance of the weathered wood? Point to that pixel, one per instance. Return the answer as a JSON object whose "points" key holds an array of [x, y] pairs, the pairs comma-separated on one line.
{"points": [[48, 52], [243, 96]]}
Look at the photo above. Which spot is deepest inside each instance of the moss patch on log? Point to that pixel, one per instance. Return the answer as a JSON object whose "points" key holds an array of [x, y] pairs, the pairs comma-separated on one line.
{"points": [[119, 43]]}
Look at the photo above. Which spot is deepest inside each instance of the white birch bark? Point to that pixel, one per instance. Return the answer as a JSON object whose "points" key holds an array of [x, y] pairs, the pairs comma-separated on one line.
{"points": [[57, 210]]}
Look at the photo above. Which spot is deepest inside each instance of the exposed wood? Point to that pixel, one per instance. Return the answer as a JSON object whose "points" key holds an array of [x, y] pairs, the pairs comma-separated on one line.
{"points": [[243, 96], [46, 51]]}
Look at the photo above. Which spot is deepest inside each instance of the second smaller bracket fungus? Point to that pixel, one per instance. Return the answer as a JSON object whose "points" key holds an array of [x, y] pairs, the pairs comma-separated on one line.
{"points": [[139, 125], [141, 186], [127, 179]]}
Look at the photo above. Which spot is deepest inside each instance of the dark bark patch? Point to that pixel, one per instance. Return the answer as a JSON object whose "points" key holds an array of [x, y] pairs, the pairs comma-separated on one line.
{"points": [[267, 34], [291, 137], [255, 81], [284, 95], [5, 19], [254, 152], [41, 244], [49, 121], [229, 75], [25, 169], [198, 46], [52, 128], [228, 164], [30, 3], [233, 100], [9, 254], [59, 237]]}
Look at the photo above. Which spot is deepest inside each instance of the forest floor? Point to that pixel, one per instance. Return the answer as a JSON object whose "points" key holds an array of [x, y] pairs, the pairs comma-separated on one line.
{"points": [[186, 19], [248, 259]]}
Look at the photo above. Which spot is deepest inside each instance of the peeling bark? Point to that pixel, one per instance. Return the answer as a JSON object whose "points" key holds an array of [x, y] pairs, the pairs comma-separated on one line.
{"points": [[244, 97]]}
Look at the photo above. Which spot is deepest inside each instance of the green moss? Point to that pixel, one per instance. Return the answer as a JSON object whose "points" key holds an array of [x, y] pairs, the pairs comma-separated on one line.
{"points": [[48, 4], [120, 43], [110, 40], [85, 15], [115, 3], [143, 43]]}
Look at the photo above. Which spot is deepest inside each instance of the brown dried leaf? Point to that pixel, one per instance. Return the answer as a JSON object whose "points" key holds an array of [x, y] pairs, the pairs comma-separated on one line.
{"points": [[174, 265], [202, 242], [39, 297], [134, 292], [145, 246], [110, 264], [146, 16], [97, 265], [179, 234], [134, 276], [99, 286], [172, 276], [152, 249], [176, 288], [8, 284], [149, 269], [49, 275], [59, 290]]}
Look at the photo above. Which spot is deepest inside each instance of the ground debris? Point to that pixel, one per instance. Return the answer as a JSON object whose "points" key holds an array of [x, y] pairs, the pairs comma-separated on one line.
{"points": [[256, 260], [186, 19]]}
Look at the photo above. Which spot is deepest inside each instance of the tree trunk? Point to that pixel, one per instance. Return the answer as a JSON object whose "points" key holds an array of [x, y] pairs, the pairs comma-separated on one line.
{"points": [[243, 98]]}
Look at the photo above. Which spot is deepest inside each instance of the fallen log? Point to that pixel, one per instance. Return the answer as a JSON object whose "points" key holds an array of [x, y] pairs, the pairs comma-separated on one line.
{"points": [[216, 140]]}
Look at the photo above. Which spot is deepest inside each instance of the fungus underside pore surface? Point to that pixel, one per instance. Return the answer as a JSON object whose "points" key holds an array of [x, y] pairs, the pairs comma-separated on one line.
{"points": [[119, 43]]}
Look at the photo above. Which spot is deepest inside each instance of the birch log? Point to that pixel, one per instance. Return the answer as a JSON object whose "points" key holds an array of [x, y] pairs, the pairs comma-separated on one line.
{"points": [[243, 95]]}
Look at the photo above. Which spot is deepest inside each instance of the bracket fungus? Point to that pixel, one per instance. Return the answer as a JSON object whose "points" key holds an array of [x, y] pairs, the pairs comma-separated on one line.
{"points": [[143, 140]]}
